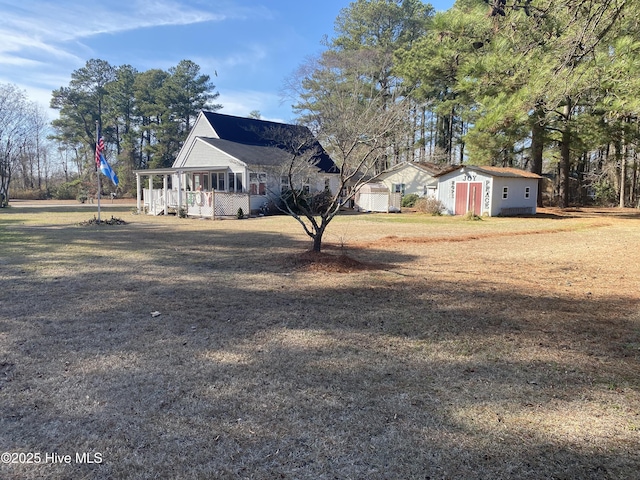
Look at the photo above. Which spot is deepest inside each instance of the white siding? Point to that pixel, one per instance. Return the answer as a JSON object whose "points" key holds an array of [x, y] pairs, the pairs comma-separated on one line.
{"points": [[372, 202], [204, 155], [415, 179], [202, 128], [446, 193], [318, 182], [515, 200]]}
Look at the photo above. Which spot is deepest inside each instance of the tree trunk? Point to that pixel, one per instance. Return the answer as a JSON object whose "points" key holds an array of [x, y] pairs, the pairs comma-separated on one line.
{"points": [[423, 140], [565, 158], [623, 174], [634, 181], [317, 241], [537, 148]]}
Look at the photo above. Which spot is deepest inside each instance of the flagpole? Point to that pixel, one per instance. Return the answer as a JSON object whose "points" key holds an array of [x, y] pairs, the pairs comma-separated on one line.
{"points": [[97, 168]]}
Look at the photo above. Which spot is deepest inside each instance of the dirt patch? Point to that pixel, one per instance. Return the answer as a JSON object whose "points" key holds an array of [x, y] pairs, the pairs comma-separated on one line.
{"points": [[331, 263]]}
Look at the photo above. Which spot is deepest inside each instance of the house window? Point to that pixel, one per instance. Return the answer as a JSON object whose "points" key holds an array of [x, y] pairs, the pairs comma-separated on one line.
{"points": [[257, 183], [217, 181], [398, 188], [200, 181], [235, 182], [505, 193], [327, 185], [284, 184], [527, 192]]}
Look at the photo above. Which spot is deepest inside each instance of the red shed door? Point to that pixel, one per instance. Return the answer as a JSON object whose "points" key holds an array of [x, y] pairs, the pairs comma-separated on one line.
{"points": [[475, 198], [462, 195], [468, 197]]}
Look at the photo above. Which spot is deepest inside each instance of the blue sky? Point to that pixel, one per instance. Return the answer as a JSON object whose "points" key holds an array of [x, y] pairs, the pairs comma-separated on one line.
{"points": [[253, 45]]}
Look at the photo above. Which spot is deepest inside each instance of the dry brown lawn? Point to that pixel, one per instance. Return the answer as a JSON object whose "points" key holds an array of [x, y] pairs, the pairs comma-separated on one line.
{"points": [[437, 348]]}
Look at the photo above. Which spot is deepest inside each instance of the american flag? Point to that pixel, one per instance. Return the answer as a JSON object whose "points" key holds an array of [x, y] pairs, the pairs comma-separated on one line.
{"points": [[99, 150]]}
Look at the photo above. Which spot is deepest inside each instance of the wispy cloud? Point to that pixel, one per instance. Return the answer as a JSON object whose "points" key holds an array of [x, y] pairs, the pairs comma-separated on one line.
{"points": [[43, 42], [35, 32], [40, 23]]}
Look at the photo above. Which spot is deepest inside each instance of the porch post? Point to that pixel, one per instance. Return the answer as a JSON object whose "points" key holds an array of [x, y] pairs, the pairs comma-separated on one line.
{"points": [[165, 184], [152, 209], [179, 192], [139, 192]]}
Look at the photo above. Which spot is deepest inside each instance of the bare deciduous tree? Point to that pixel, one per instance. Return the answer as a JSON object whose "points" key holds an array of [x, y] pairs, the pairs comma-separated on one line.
{"points": [[15, 127], [356, 122]]}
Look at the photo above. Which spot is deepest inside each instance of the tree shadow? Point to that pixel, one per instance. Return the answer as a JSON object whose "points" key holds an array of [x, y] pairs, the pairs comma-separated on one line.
{"points": [[259, 370]]}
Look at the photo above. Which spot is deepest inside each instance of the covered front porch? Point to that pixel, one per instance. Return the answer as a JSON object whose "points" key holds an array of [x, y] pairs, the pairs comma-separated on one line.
{"points": [[192, 191]]}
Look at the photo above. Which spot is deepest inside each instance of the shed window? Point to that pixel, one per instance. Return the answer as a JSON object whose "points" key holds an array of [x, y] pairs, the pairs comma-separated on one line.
{"points": [[527, 192], [505, 193], [257, 183]]}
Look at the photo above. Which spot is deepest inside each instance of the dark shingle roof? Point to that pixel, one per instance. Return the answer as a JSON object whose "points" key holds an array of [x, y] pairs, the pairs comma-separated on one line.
{"points": [[250, 154], [252, 140]]}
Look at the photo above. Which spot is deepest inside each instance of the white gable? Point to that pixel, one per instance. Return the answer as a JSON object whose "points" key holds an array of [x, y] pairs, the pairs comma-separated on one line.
{"points": [[202, 128], [202, 154]]}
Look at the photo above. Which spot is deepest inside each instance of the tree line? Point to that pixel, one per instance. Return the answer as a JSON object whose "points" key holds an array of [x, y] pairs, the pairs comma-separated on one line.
{"points": [[23, 152], [144, 118], [544, 85]]}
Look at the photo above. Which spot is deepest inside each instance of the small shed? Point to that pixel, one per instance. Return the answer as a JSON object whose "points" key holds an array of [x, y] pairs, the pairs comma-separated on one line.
{"points": [[375, 197], [492, 191]]}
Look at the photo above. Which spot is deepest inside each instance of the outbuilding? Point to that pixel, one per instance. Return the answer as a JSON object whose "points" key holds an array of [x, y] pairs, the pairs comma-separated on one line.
{"points": [[375, 197], [492, 191]]}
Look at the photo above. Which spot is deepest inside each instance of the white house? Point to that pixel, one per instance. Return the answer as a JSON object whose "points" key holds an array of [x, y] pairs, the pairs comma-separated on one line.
{"points": [[489, 191], [230, 162], [411, 177]]}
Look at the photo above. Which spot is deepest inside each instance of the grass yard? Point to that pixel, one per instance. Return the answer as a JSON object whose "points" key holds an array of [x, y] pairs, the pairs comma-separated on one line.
{"points": [[448, 349]]}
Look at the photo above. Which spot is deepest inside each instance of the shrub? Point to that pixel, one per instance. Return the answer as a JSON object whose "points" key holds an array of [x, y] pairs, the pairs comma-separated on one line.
{"points": [[240, 214], [68, 190], [409, 200], [470, 216], [429, 205], [82, 196], [605, 194], [29, 194]]}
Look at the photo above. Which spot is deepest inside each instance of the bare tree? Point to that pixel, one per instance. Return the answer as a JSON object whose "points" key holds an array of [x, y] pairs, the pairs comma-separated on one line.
{"points": [[356, 122], [14, 134]]}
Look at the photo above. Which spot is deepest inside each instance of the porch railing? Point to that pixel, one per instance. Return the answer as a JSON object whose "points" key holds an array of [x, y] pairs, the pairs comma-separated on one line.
{"points": [[197, 203]]}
